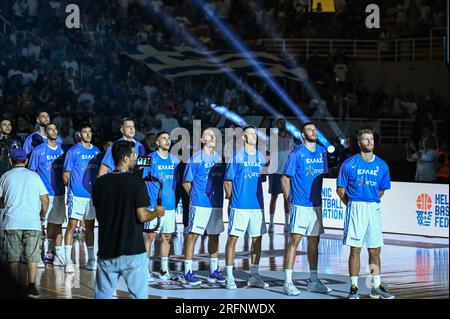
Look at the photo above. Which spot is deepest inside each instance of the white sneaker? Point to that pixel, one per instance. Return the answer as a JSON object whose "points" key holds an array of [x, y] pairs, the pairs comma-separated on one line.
{"points": [[58, 261], [150, 277], [290, 290], [229, 283], [91, 265], [257, 281], [318, 286], [69, 268], [40, 264]]}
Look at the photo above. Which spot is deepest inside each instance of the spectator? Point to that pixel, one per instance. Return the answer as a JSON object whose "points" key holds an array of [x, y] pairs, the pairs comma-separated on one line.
{"points": [[26, 201], [7, 145], [425, 158]]}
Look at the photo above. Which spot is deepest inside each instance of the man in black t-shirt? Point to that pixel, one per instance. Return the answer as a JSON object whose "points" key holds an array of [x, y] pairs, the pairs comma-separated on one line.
{"points": [[121, 200]]}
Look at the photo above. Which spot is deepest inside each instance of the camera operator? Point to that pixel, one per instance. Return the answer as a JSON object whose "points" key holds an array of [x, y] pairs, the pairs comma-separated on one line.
{"points": [[7, 144], [121, 200]]}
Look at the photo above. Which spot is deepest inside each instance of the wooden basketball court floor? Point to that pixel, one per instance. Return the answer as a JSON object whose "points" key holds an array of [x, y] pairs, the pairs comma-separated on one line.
{"points": [[412, 266]]}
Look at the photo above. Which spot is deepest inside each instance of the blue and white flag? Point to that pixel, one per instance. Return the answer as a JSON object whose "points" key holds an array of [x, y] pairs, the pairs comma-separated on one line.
{"points": [[175, 62]]}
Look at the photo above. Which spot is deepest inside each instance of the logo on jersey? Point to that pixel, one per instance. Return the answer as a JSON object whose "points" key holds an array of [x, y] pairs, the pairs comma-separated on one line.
{"points": [[313, 171], [252, 164], [318, 160], [373, 172], [53, 157], [165, 167], [432, 212], [88, 157]]}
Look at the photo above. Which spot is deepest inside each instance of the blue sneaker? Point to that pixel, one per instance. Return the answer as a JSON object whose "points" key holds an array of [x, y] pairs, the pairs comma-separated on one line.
{"points": [[192, 279], [216, 277]]}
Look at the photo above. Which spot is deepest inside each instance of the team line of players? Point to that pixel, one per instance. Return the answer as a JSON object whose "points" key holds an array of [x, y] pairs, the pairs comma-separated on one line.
{"points": [[362, 180]]}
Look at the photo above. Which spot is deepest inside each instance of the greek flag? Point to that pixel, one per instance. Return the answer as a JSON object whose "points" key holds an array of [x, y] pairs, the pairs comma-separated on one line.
{"points": [[176, 62]]}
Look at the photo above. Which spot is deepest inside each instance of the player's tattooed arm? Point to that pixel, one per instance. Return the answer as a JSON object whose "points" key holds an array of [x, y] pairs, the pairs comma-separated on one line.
{"points": [[228, 187], [145, 215], [342, 195], [286, 186]]}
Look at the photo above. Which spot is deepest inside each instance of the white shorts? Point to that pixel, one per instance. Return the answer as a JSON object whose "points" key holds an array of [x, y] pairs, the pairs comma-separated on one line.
{"points": [[167, 225], [205, 218], [306, 221], [242, 220], [363, 225], [80, 208], [56, 213]]}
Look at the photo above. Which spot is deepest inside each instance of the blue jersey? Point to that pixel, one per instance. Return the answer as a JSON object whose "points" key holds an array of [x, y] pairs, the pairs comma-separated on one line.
{"points": [[83, 164], [306, 170], [244, 170], [49, 163], [166, 169], [35, 139], [108, 160], [206, 173], [363, 180]]}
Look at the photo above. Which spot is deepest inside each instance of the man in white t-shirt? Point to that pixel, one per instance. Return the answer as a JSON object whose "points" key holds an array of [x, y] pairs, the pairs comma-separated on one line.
{"points": [[25, 200]]}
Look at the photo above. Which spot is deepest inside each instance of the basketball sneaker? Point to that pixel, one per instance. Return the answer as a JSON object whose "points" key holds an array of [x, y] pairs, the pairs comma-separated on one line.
{"points": [[150, 278], [229, 283], [381, 293], [290, 290], [216, 277], [49, 257], [353, 294], [32, 291], [192, 279], [166, 275], [257, 281], [318, 286], [91, 265]]}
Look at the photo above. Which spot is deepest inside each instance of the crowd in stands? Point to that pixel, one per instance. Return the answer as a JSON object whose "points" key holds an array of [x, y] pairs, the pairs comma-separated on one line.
{"points": [[81, 74]]}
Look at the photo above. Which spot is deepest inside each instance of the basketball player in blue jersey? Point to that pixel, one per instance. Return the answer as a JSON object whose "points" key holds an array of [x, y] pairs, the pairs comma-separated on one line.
{"points": [[243, 185], [48, 160], [128, 130], [362, 181], [37, 138], [203, 181], [302, 185], [164, 167], [80, 170]]}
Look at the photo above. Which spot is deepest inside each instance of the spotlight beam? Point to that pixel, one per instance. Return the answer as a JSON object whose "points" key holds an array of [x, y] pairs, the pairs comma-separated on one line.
{"points": [[261, 70], [172, 24]]}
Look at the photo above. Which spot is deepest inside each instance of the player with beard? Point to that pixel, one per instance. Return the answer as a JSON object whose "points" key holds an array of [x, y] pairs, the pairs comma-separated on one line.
{"points": [[362, 181], [302, 186], [40, 136]]}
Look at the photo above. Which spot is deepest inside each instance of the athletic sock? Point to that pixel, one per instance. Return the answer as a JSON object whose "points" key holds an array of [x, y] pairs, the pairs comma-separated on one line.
{"points": [[354, 281], [288, 273], [376, 281], [213, 264], [164, 264], [313, 275], [68, 250], [254, 270], [91, 255], [230, 272], [59, 250], [187, 266]]}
